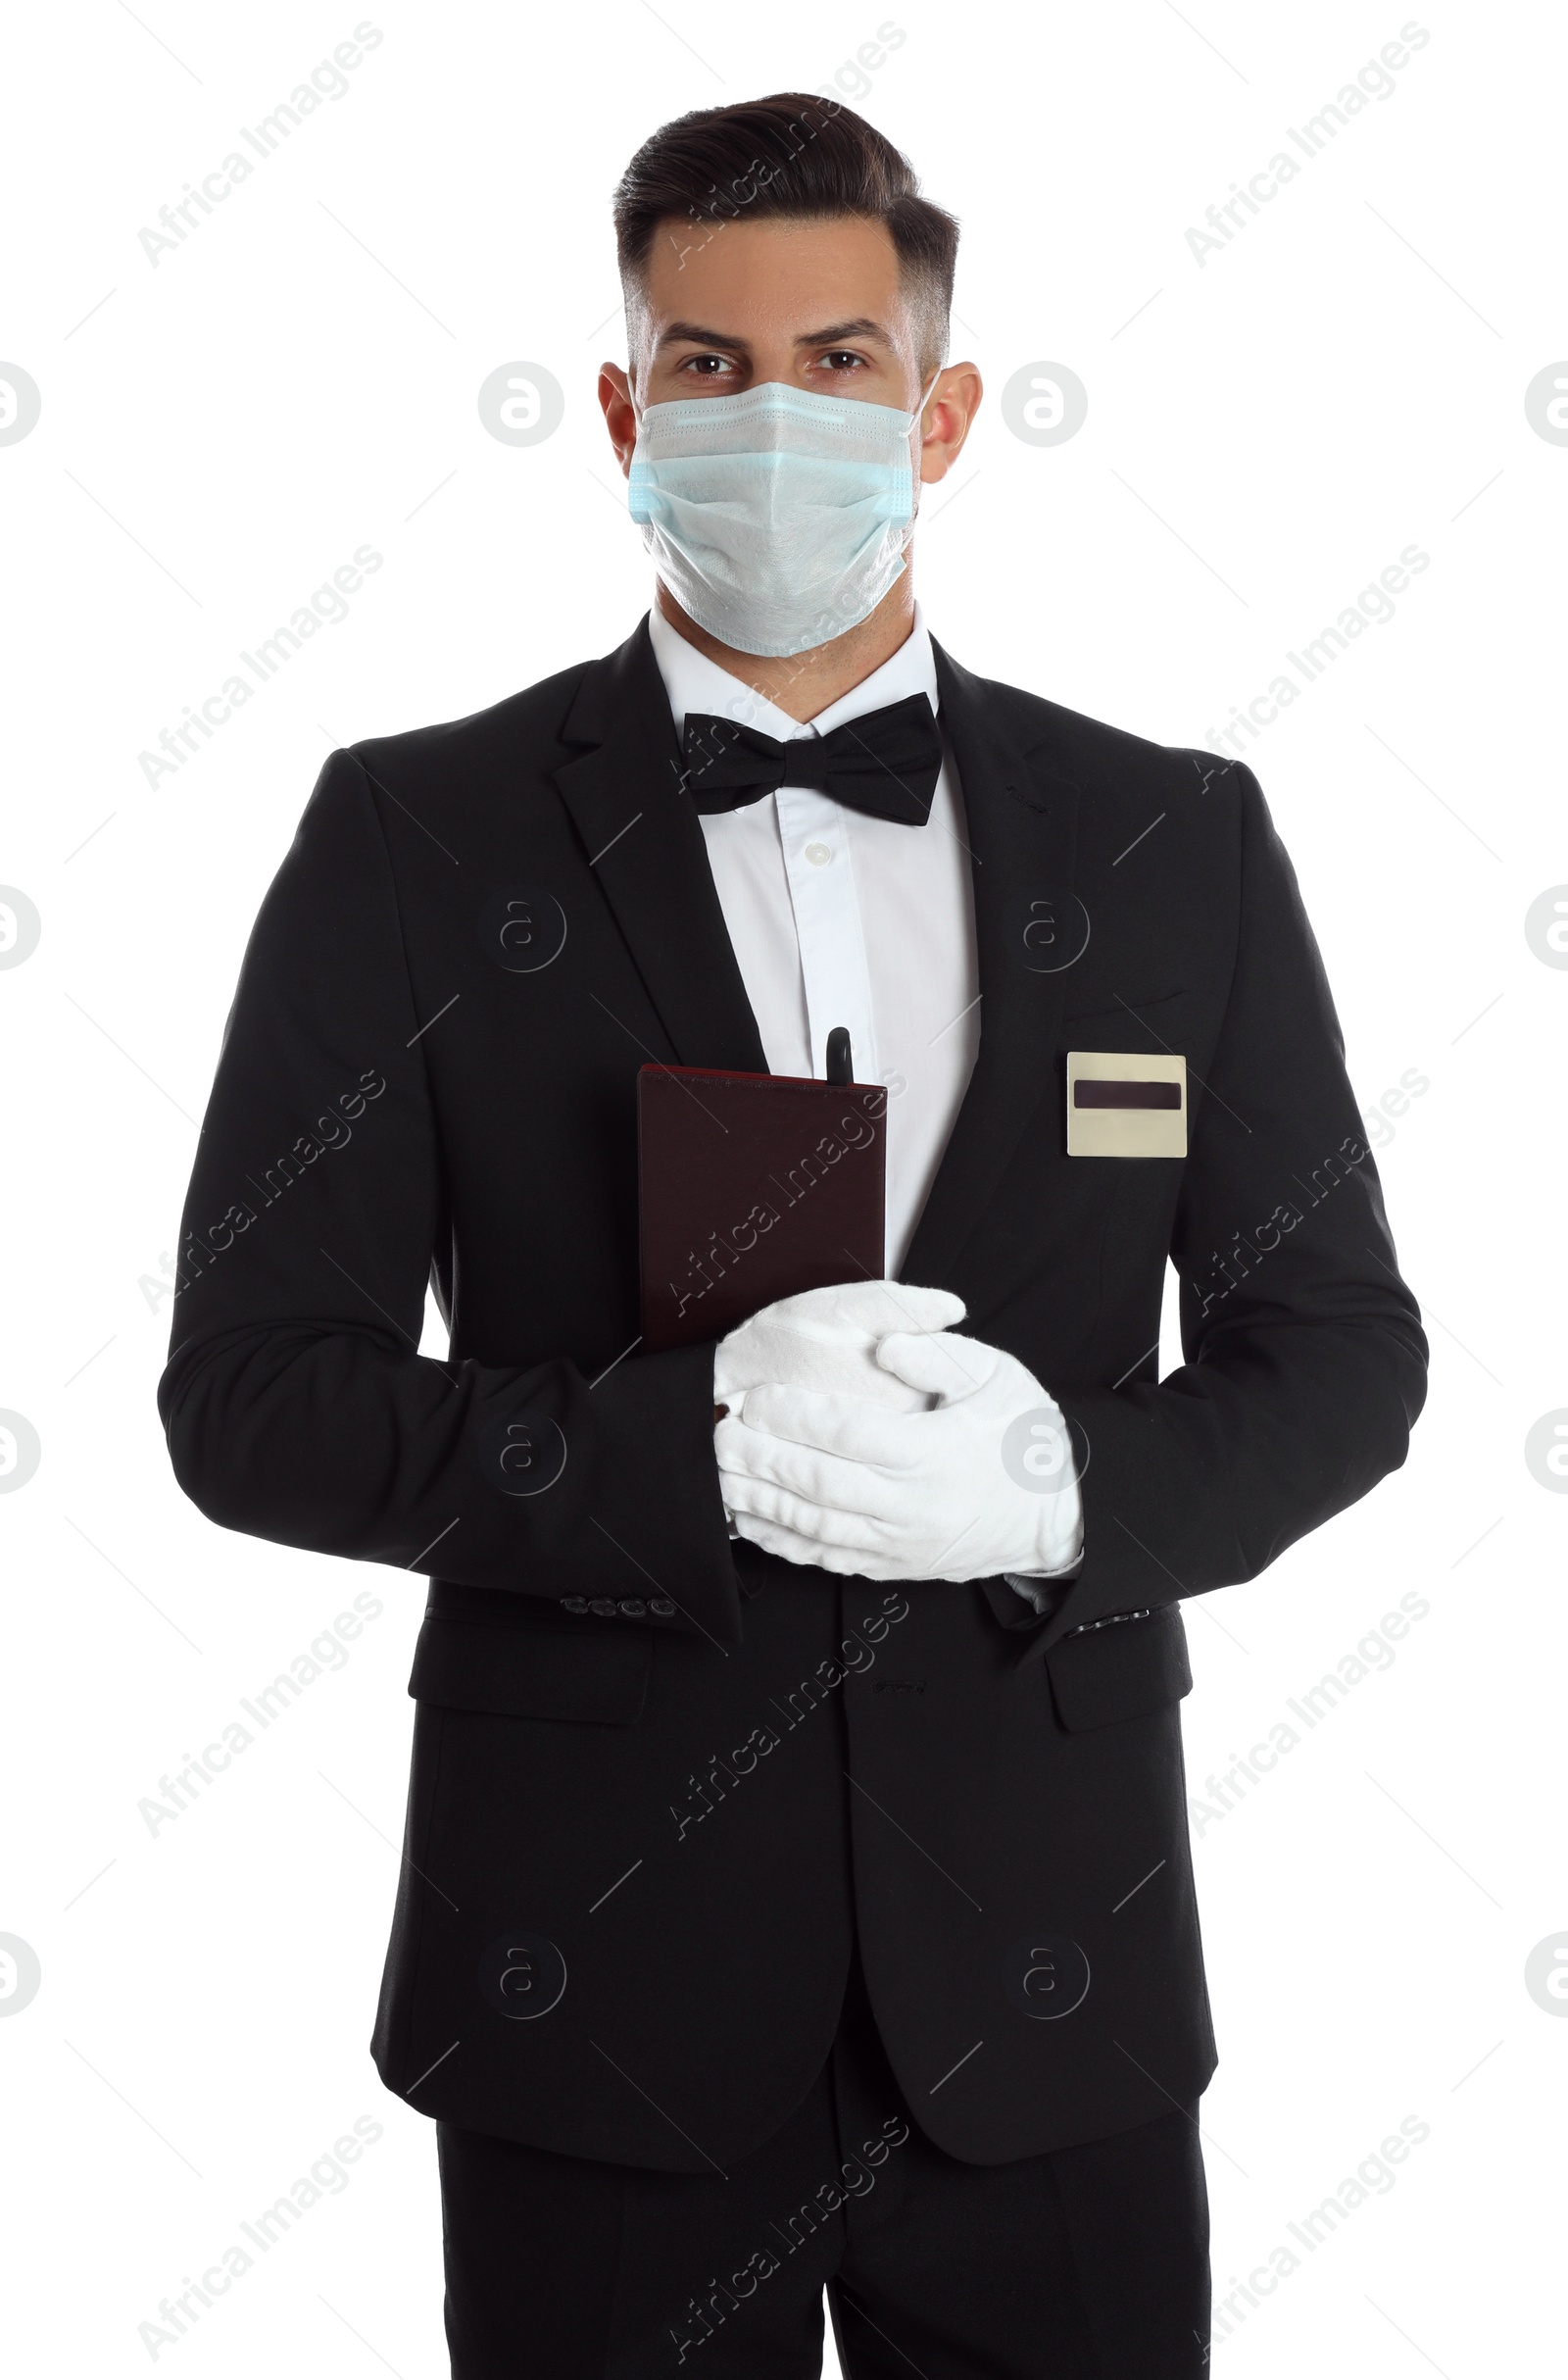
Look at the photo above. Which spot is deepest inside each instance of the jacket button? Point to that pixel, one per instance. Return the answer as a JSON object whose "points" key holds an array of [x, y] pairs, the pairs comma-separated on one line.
{"points": [[661, 1605], [604, 1605], [575, 1603], [632, 1607]]}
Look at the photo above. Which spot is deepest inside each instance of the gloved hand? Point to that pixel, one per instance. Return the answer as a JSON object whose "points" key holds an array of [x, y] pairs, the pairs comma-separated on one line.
{"points": [[979, 1484], [827, 1339]]}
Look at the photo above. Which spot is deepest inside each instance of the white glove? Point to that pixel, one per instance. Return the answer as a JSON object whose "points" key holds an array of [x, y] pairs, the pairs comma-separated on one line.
{"points": [[978, 1485], [827, 1339]]}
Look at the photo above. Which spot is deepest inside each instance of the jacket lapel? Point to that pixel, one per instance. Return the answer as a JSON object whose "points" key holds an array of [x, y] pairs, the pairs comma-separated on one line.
{"points": [[644, 843], [1022, 828]]}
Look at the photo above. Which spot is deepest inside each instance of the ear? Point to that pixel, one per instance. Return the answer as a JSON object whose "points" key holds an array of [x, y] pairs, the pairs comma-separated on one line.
{"points": [[620, 414], [950, 412]]}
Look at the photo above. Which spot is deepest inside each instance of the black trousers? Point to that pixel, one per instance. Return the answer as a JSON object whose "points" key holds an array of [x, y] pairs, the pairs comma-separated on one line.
{"points": [[1090, 2263]]}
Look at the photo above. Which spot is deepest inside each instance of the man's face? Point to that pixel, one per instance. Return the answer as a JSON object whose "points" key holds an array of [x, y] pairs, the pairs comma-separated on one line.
{"points": [[815, 302]]}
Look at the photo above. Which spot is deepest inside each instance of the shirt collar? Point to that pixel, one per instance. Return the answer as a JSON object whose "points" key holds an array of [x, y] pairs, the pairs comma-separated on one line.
{"points": [[694, 682]]}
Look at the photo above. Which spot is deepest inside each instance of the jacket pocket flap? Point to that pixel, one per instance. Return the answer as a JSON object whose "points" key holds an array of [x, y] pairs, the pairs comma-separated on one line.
{"points": [[1121, 1012], [533, 1672], [1119, 1668]]}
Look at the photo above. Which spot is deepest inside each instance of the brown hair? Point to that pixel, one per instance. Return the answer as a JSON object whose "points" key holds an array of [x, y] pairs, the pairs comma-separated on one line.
{"points": [[792, 154]]}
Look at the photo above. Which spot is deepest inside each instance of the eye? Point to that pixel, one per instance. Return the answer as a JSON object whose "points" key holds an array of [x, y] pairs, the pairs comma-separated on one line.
{"points": [[842, 359], [707, 367]]}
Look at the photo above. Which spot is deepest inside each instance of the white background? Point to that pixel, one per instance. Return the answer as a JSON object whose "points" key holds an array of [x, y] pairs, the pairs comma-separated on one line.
{"points": [[1266, 431]]}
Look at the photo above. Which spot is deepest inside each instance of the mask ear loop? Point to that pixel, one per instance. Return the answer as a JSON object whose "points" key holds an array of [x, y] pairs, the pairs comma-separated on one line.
{"points": [[925, 397], [915, 423]]}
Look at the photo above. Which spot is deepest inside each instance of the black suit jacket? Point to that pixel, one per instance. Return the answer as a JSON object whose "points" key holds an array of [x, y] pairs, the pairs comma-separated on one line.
{"points": [[656, 1777]]}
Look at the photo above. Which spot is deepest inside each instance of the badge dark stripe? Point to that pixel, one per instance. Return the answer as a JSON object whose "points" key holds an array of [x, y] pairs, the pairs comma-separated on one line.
{"points": [[1088, 1094]]}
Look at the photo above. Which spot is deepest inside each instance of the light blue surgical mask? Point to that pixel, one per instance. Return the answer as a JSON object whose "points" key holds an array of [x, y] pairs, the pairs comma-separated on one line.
{"points": [[778, 519]]}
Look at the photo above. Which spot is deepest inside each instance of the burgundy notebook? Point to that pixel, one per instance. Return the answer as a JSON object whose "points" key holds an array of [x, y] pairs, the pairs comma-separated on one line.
{"points": [[752, 1187]]}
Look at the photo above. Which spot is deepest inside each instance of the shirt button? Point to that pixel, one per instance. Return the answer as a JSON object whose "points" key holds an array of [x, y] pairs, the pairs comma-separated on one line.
{"points": [[818, 854]]}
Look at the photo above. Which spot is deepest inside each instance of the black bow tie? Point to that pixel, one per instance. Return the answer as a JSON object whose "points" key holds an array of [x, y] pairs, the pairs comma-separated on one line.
{"points": [[886, 762]]}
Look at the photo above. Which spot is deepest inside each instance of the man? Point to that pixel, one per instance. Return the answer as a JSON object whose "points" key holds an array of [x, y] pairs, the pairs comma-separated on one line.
{"points": [[797, 1887]]}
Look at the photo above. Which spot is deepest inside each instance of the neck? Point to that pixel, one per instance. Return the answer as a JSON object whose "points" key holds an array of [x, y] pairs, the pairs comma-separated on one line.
{"points": [[802, 684]]}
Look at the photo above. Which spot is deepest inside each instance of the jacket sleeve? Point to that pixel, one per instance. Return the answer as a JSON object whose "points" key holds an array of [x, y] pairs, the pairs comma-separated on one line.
{"points": [[1305, 1363], [296, 1405]]}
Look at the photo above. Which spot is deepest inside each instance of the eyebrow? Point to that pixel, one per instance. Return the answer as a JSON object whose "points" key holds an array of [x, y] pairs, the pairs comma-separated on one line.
{"points": [[862, 328]]}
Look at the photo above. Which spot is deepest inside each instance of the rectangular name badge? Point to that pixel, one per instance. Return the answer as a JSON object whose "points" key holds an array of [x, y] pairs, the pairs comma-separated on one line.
{"points": [[1122, 1104]]}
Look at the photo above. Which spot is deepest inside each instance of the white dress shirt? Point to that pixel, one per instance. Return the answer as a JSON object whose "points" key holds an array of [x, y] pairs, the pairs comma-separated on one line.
{"points": [[838, 919]]}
